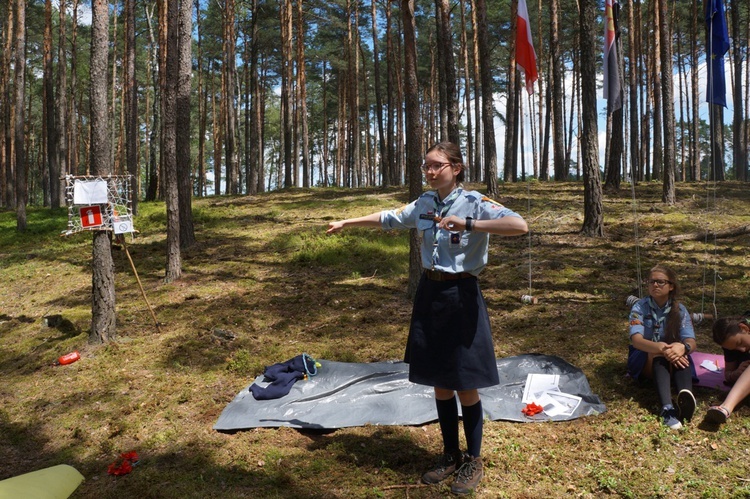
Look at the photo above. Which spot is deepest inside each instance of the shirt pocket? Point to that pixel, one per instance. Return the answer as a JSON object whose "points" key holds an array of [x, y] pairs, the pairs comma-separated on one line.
{"points": [[423, 225], [457, 241], [648, 329]]}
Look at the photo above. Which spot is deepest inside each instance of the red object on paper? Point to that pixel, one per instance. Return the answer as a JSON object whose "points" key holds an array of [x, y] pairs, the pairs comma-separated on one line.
{"points": [[91, 216], [532, 409], [68, 358]]}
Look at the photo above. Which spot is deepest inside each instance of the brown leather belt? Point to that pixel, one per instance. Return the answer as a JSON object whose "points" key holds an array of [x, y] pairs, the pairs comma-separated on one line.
{"points": [[435, 275]]}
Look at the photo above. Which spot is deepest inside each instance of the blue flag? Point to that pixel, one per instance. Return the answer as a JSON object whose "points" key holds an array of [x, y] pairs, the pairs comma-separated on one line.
{"points": [[718, 44]]}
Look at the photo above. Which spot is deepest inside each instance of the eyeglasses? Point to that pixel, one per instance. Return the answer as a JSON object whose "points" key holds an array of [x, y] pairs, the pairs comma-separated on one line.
{"points": [[659, 282], [434, 167]]}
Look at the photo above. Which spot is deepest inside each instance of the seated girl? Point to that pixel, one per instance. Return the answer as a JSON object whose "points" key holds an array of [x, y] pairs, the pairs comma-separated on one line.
{"points": [[662, 336]]}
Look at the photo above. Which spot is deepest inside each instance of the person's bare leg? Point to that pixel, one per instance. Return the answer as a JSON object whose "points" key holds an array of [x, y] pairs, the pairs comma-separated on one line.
{"points": [[739, 391]]}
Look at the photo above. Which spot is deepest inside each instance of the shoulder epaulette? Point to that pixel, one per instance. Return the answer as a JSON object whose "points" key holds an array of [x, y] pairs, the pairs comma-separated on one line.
{"points": [[492, 201]]}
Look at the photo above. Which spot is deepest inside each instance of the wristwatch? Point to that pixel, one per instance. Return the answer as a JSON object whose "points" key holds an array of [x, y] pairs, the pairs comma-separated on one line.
{"points": [[469, 224], [687, 347]]}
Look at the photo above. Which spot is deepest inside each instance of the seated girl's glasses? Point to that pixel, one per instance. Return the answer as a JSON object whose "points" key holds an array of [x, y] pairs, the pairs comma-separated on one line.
{"points": [[433, 167], [659, 282]]}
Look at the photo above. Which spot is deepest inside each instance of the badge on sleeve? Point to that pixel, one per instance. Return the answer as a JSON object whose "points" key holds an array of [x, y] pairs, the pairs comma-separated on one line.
{"points": [[495, 204]]}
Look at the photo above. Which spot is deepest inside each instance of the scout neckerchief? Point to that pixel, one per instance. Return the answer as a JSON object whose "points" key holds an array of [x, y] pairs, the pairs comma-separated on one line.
{"points": [[441, 210], [658, 321]]}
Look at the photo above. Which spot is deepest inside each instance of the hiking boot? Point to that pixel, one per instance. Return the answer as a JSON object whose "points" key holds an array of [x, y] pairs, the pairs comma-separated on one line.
{"points": [[468, 476], [686, 404], [669, 418], [447, 465]]}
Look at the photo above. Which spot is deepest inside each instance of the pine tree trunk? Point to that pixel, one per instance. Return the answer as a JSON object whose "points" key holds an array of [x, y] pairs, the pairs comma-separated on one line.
{"points": [[286, 83], [479, 149], [230, 70], [592, 196], [19, 119], [50, 112], [173, 269], [667, 90], [488, 105], [152, 188], [658, 125], [73, 141], [633, 76], [202, 106], [131, 106], [6, 161], [558, 148], [382, 146], [511, 146], [103, 278], [62, 105], [302, 90], [448, 61], [256, 121], [465, 62], [413, 134], [695, 158], [739, 151], [184, 164]]}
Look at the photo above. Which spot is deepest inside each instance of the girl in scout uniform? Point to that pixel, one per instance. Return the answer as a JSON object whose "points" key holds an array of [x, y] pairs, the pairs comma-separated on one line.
{"points": [[450, 344], [733, 334], [662, 336]]}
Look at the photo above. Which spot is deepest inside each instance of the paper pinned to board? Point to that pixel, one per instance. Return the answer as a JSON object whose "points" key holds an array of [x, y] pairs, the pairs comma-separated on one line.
{"points": [[88, 192]]}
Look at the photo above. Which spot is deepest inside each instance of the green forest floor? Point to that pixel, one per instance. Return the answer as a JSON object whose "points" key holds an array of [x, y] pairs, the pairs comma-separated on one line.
{"points": [[265, 271]]}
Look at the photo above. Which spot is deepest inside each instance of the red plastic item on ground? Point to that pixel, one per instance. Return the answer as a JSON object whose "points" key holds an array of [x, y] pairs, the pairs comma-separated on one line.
{"points": [[124, 465], [68, 358]]}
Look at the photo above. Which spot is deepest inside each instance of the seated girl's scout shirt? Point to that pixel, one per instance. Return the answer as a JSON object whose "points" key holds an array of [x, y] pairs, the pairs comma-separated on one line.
{"points": [[648, 319], [444, 250]]}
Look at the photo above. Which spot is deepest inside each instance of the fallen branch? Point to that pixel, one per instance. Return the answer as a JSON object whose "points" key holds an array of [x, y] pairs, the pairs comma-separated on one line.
{"points": [[697, 236]]}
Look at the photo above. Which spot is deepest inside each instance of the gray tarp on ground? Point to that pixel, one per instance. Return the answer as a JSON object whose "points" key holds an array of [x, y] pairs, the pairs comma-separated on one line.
{"points": [[353, 394]]}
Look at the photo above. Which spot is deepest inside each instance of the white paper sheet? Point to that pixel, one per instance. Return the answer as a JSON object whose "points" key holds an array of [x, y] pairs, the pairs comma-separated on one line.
{"points": [[88, 192], [537, 384]]}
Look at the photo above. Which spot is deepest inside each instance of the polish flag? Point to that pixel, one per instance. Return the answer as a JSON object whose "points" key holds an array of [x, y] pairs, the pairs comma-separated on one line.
{"points": [[525, 54]]}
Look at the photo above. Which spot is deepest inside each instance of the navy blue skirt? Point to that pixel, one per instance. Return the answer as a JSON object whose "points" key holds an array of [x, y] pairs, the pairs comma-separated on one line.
{"points": [[637, 362], [450, 343]]}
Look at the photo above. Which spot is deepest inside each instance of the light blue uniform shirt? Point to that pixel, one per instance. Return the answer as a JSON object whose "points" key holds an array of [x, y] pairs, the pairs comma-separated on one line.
{"points": [[645, 320], [444, 250]]}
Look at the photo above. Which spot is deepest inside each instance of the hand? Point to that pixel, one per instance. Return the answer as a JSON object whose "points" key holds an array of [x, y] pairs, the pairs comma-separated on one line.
{"points": [[452, 223], [673, 352], [334, 227], [741, 368], [682, 362]]}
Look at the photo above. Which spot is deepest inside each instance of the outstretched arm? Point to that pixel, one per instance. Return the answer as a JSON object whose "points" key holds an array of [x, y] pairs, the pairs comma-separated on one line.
{"points": [[372, 220], [506, 226]]}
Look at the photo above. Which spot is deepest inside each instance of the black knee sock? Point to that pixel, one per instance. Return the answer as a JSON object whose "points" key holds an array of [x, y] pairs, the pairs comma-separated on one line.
{"points": [[473, 426], [683, 379], [662, 380], [447, 411]]}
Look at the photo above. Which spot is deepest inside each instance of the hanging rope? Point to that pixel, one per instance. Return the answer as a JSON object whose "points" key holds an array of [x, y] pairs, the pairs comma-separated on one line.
{"points": [[529, 298], [636, 236], [711, 181]]}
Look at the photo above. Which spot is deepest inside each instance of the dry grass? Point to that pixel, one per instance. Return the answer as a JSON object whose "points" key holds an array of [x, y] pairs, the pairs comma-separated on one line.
{"points": [[264, 271]]}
